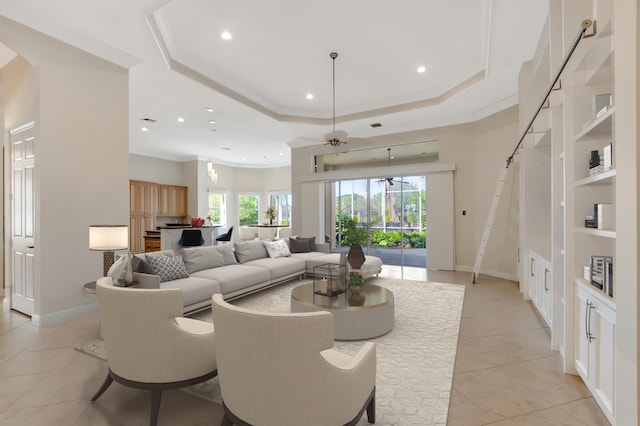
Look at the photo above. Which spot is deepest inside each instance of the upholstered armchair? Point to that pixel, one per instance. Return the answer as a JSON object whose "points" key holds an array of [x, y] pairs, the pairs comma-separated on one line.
{"points": [[149, 344], [280, 369]]}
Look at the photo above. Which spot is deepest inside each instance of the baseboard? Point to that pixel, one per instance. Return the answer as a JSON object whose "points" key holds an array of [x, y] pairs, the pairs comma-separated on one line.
{"points": [[497, 274], [62, 316]]}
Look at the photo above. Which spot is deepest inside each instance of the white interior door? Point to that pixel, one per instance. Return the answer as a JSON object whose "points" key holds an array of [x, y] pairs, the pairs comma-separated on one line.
{"points": [[22, 142]]}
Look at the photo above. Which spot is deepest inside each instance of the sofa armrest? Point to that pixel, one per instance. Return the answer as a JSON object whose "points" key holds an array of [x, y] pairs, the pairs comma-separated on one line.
{"points": [[322, 247], [147, 280]]}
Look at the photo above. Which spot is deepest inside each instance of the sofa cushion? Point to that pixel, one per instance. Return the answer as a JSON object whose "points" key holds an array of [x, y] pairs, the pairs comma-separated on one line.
{"points": [[228, 257], [168, 268], [194, 289], [235, 277], [250, 250], [277, 248], [299, 246], [199, 258], [281, 266]]}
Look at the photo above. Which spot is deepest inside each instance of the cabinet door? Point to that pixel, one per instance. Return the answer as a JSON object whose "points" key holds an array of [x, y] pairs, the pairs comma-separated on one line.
{"points": [[180, 200], [603, 319], [136, 233], [545, 290], [163, 200], [581, 337], [533, 278]]}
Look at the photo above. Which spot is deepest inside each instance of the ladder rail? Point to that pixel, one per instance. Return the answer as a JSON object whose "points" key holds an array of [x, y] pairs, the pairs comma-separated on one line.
{"points": [[499, 187]]}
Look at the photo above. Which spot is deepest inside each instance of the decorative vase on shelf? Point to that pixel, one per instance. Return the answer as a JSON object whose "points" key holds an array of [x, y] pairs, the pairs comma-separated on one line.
{"points": [[355, 258]]}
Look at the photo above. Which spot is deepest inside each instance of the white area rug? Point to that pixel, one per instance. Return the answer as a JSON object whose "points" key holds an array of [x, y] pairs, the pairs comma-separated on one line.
{"points": [[415, 360]]}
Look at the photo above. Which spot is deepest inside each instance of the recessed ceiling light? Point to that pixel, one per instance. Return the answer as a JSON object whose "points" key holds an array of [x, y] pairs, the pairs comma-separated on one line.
{"points": [[209, 109], [243, 158], [280, 154], [421, 69], [225, 35], [309, 96], [212, 121], [144, 129], [180, 120]]}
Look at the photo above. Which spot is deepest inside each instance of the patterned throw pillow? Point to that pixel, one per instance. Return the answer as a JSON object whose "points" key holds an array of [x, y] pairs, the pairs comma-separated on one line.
{"points": [[277, 248], [168, 268]]}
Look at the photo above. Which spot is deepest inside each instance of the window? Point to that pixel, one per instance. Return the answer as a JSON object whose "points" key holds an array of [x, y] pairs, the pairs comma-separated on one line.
{"points": [[217, 208], [249, 209], [282, 204]]}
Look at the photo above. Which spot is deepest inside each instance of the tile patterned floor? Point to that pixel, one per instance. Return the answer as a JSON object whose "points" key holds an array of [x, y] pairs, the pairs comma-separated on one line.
{"points": [[505, 373]]}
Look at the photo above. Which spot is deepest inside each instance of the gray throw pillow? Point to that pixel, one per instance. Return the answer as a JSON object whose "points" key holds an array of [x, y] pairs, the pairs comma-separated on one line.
{"points": [[228, 257], [250, 250], [168, 268], [299, 246], [140, 265], [199, 258], [312, 242]]}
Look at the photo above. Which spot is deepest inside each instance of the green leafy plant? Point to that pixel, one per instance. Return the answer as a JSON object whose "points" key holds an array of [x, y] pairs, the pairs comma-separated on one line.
{"points": [[354, 234], [270, 213]]}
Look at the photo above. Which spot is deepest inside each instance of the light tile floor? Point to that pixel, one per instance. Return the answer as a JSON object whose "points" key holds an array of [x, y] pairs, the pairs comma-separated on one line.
{"points": [[505, 373]]}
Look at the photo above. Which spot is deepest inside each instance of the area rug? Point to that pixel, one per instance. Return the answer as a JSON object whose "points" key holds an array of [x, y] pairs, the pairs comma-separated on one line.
{"points": [[415, 360]]}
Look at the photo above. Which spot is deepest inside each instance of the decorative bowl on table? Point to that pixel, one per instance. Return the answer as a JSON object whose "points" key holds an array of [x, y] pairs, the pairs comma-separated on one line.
{"points": [[197, 222]]}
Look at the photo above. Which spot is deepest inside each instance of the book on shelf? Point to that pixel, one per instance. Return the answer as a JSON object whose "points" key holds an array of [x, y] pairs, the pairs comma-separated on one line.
{"points": [[608, 157], [601, 104], [596, 170], [604, 215]]}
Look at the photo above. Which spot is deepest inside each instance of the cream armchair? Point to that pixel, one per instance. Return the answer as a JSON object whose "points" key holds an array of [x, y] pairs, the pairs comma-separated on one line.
{"points": [[149, 344], [279, 369]]}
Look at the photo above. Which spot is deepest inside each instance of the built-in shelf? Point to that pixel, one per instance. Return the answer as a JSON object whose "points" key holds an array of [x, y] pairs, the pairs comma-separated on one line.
{"points": [[605, 233], [603, 124], [604, 177], [596, 292]]}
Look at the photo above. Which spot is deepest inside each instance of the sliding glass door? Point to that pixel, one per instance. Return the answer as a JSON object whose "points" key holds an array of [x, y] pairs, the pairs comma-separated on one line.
{"points": [[391, 209]]}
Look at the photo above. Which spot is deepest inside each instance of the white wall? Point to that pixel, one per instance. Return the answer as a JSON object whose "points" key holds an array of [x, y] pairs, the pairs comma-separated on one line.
{"points": [[82, 160], [479, 151]]}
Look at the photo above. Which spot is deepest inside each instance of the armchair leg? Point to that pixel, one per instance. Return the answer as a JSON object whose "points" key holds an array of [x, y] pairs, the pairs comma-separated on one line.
{"points": [[107, 382], [226, 421], [156, 395], [371, 408]]}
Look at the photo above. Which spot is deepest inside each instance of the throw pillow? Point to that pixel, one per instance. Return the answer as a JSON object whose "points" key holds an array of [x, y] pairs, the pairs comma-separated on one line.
{"points": [[168, 268], [116, 270], [312, 242], [250, 250], [277, 248], [141, 265], [228, 257], [299, 246], [199, 258]]}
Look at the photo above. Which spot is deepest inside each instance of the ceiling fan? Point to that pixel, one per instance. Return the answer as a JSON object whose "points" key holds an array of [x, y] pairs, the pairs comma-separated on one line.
{"points": [[389, 180], [335, 137]]}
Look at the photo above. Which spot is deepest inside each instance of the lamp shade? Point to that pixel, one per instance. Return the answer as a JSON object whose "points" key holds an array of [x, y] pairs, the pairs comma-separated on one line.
{"points": [[108, 237]]}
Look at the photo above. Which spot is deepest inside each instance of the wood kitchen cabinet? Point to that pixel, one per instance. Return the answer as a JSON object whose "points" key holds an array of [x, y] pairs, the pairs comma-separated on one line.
{"points": [[148, 200], [172, 201]]}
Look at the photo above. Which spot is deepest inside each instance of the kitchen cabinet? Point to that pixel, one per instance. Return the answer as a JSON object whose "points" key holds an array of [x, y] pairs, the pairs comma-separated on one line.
{"points": [[595, 344], [143, 206], [172, 201]]}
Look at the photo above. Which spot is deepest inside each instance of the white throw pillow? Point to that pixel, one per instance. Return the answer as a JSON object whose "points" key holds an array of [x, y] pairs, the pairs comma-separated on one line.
{"points": [[277, 248], [116, 271]]}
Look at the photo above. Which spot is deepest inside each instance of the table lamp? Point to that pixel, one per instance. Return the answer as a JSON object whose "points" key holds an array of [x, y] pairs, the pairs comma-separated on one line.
{"points": [[108, 238]]}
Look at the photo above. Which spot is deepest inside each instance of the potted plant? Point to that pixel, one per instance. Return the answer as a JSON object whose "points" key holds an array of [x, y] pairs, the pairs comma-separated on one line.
{"points": [[355, 236], [270, 213]]}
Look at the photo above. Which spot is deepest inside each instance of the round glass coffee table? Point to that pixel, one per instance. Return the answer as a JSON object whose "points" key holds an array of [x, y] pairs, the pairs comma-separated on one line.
{"points": [[362, 314]]}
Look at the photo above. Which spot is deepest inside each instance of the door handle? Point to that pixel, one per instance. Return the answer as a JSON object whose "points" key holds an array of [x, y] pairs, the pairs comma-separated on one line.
{"points": [[546, 271], [30, 246], [531, 266]]}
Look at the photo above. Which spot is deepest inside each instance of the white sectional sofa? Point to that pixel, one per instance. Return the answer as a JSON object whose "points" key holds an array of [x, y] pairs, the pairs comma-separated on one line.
{"points": [[231, 270]]}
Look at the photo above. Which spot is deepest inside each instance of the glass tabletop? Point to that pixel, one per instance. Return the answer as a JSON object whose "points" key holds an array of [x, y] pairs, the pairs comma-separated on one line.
{"points": [[369, 296]]}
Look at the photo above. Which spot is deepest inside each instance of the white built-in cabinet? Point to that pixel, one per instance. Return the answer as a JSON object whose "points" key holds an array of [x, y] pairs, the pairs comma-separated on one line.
{"points": [[595, 328], [558, 191], [541, 286]]}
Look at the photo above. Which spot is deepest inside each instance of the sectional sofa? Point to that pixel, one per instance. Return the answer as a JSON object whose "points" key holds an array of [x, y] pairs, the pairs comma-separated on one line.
{"points": [[232, 270]]}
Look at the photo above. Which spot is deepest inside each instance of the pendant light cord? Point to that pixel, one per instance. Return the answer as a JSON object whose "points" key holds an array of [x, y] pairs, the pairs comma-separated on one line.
{"points": [[333, 56]]}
